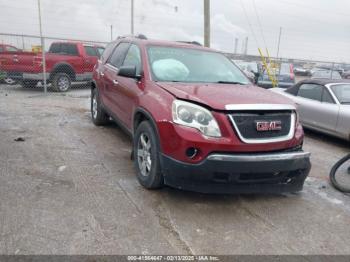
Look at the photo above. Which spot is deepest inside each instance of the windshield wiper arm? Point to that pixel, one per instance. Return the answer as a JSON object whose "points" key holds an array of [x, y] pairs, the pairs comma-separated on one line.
{"points": [[231, 82]]}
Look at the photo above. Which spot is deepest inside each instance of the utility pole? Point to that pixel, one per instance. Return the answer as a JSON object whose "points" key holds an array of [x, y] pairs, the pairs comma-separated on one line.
{"points": [[207, 23], [279, 42], [246, 46], [236, 45], [42, 48], [132, 17], [111, 32]]}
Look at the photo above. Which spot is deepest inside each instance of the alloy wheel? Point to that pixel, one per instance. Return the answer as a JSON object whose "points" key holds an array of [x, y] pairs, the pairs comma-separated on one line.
{"points": [[144, 154]]}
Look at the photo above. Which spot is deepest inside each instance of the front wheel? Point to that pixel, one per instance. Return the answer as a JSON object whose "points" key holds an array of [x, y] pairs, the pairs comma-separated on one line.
{"points": [[98, 115], [340, 174], [10, 81], [146, 157], [61, 82]]}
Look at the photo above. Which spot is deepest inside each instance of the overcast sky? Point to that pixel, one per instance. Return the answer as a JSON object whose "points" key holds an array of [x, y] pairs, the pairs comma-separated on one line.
{"points": [[313, 29]]}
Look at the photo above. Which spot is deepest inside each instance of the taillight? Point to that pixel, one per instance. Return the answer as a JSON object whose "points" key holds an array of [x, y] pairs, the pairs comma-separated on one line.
{"points": [[38, 61], [291, 71]]}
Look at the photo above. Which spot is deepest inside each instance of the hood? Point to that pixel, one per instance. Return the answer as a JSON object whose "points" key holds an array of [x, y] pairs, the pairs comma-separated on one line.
{"points": [[217, 96]]}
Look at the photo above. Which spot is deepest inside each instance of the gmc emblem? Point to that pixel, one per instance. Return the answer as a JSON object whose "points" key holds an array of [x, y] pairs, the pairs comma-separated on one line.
{"points": [[262, 126]]}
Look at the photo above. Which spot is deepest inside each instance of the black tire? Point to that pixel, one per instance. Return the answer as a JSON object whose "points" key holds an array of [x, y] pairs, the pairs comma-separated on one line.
{"points": [[333, 173], [98, 115], [61, 82], [29, 83], [151, 176]]}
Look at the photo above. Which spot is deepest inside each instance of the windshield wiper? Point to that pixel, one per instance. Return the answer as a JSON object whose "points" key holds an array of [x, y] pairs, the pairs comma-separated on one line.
{"points": [[231, 82], [345, 103]]}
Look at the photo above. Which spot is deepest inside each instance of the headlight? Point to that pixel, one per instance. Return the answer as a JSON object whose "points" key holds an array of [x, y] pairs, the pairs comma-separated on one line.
{"points": [[191, 115]]}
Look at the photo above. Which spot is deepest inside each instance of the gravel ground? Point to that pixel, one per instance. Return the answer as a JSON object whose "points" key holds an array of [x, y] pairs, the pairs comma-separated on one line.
{"points": [[70, 188]]}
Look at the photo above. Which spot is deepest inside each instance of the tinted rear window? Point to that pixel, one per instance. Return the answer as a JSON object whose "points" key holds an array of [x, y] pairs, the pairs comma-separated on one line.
{"points": [[55, 48], [69, 49]]}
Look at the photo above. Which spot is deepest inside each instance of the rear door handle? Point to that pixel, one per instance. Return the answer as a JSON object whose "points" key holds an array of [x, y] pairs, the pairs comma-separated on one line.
{"points": [[115, 82], [102, 74]]}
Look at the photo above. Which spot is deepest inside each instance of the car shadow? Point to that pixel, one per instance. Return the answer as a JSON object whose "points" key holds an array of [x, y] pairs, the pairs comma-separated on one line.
{"points": [[335, 141]]}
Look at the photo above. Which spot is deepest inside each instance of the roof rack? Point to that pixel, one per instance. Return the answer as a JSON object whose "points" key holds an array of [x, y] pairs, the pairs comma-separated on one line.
{"points": [[190, 42]]}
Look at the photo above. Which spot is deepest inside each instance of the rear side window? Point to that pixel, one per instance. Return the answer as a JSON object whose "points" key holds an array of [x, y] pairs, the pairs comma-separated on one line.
{"points": [[311, 91], [118, 55], [90, 50], [55, 49], [1, 49], [11, 49], [69, 49]]}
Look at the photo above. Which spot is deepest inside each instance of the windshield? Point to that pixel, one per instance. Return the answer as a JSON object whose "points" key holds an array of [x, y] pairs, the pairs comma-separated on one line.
{"points": [[342, 92], [171, 64]]}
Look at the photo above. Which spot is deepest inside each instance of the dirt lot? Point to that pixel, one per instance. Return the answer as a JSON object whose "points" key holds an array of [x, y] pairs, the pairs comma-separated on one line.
{"points": [[70, 188]]}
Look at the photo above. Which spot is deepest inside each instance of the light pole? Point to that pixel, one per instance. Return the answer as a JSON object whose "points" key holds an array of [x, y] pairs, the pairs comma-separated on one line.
{"points": [[279, 42], [207, 23], [42, 48], [132, 17], [111, 32]]}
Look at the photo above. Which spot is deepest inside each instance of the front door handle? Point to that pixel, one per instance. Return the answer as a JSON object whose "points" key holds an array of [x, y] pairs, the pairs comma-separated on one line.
{"points": [[115, 82], [102, 74]]}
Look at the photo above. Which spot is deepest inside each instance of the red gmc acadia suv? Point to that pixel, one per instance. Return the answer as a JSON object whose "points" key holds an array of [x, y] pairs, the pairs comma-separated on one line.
{"points": [[196, 121]]}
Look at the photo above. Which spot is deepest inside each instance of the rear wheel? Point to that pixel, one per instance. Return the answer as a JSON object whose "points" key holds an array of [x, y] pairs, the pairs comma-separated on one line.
{"points": [[146, 157], [61, 82], [9, 81], [98, 115]]}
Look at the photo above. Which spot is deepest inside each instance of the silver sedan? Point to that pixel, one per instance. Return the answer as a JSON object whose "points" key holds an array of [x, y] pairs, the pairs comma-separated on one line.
{"points": [[323, 105]]}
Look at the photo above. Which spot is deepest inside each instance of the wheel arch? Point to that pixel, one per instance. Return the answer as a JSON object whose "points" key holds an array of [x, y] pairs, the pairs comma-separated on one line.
{"points": [[63, 68], [140, 115]]}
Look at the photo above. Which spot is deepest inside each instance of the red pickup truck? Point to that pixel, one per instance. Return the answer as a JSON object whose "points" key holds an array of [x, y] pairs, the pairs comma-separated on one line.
{"points": [[66, 62]]}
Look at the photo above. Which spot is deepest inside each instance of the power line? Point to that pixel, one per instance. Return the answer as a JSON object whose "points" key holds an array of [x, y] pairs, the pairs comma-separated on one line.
{"points": [[248, 21], [259, 23]]}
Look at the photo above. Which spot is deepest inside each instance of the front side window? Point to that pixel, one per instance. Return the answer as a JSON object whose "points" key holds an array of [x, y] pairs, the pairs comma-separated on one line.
{"points": [[311, 91], [133, 58], [173, 64], [118, 55], [342, 92], [326, 97], [1, 49]]}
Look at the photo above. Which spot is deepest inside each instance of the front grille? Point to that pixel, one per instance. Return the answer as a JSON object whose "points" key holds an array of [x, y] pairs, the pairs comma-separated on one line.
{"points": [[245, 125]]}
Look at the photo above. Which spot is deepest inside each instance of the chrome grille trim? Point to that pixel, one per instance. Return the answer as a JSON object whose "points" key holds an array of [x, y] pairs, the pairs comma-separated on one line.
{"points": [[260, 107], [287, 137]]}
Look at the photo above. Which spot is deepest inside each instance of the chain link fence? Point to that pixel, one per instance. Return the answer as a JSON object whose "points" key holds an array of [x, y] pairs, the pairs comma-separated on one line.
{"points": [[62, 64], [67, 62]]}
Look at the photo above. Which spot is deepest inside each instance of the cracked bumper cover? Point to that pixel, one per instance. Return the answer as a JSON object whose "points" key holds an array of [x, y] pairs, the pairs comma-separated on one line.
{"points": [[240, 173]]}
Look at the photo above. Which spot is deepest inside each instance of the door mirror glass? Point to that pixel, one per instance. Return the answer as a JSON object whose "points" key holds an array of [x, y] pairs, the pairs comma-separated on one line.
{"points": [[128, 71]]}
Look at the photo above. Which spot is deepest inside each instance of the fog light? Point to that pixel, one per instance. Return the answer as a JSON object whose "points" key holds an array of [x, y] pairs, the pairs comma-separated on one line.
{"points": [[191, 152]]}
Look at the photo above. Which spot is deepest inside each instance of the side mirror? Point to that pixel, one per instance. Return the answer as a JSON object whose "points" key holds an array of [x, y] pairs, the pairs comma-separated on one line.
{"points": [[129, 72]]}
